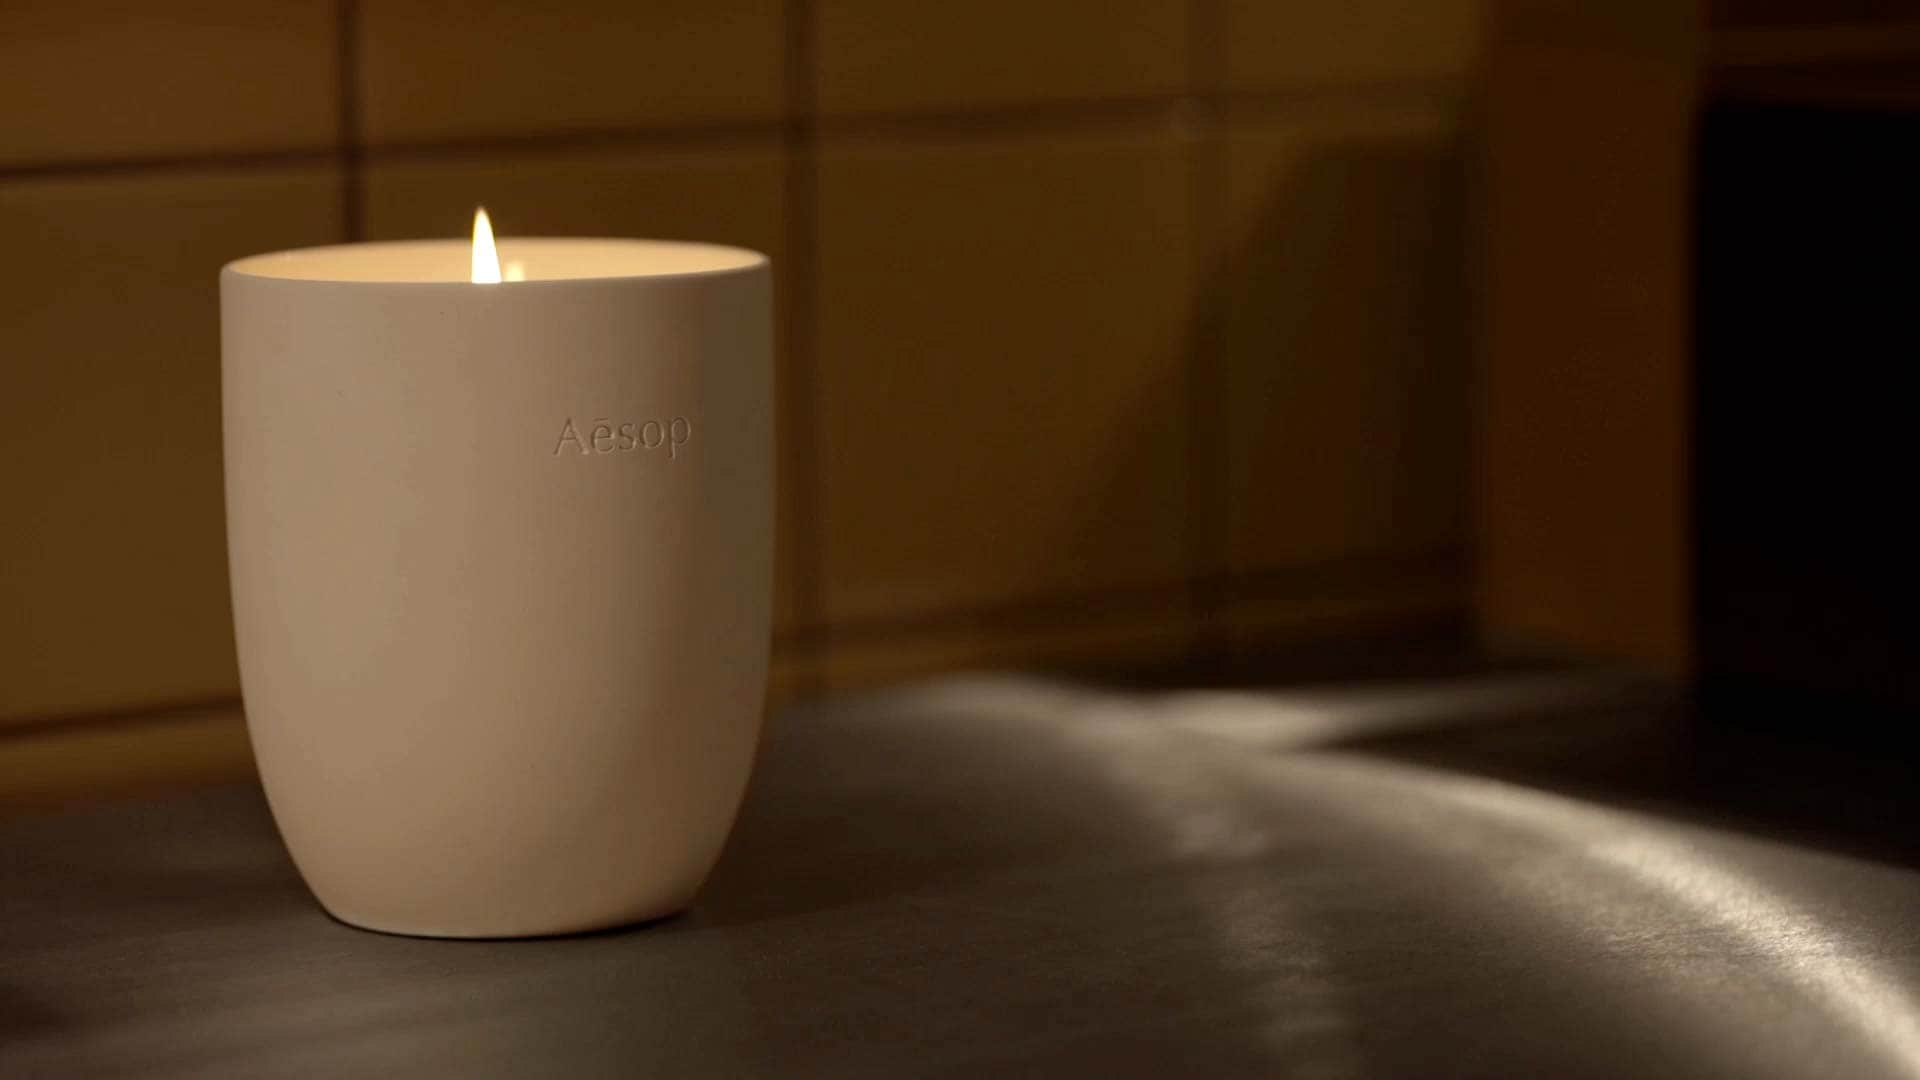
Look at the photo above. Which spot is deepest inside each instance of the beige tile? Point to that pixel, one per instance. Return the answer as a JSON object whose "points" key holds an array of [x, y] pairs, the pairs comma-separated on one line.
{"points": [[1353, 599], [734, 196], [1340, 288], [792, 677], [89, 760], [91, 79], [1103, 636], [1585, 416], [434, 69], [895, 55], [726, 194], [1002, 357], [113, 586], [1270, 45]]}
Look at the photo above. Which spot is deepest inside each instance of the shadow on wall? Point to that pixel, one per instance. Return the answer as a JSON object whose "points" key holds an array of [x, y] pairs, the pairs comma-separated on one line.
{"points": [[1333, 398], [1290, 418]]}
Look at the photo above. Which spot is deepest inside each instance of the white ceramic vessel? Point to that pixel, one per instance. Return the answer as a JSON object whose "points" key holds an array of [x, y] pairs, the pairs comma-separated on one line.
{"points": [[501, 559]]}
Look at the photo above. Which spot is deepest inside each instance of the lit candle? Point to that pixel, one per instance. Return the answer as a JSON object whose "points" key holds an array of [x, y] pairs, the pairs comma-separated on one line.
{"points": [[501, 554]]}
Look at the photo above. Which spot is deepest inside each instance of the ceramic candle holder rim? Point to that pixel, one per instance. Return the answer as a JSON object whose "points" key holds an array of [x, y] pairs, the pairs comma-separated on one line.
{"points": [[444, 263]]}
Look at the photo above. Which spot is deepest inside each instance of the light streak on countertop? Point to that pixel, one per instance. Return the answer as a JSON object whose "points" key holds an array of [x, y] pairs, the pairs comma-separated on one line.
{"points": [[1000, 872]]}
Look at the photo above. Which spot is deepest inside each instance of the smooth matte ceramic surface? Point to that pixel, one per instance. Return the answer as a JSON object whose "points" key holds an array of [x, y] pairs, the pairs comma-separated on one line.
{"points": [[501, 562]]}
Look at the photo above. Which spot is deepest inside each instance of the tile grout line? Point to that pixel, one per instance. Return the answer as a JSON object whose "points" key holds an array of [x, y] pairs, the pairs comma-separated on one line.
{"points": [[808, 647], [1206, 421], [931, 127], [1441, 564], [353, 202], [1328, 576], [88, 170], [36, 726], [650, 137]]}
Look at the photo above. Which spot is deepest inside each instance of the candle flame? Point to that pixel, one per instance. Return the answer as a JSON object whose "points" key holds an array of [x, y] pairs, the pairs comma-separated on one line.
{"points": [[486, 261]]}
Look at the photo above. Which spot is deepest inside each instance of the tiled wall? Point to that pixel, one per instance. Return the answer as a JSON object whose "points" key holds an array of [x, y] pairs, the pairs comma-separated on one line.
{"points": [[1119, 329]]}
